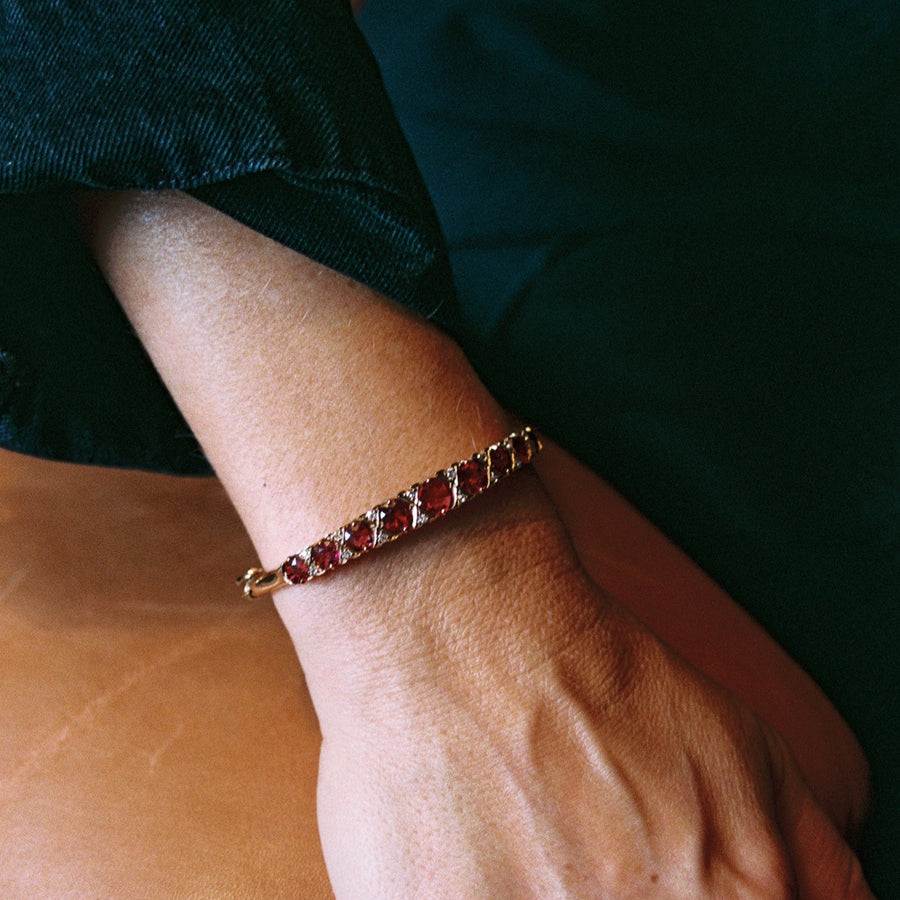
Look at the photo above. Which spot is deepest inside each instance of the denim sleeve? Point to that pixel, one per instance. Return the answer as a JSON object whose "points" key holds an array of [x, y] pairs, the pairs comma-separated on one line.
{"points": [[273, 112]]}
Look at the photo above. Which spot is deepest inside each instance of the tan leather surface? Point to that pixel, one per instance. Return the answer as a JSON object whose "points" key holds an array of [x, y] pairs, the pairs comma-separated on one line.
{"points": [[156, 737], [157, 740]]}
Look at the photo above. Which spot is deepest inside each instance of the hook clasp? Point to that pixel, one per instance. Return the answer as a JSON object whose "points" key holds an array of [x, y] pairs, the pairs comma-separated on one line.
{"points": [[257, 582]]}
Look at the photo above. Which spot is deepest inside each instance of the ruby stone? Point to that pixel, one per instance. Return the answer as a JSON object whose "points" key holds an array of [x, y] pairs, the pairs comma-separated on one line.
{"points": [[360, 536], [522, 447], [501, 461], [396, 516], [435, 496], [325, 554], [296, 570], [472, 476]]}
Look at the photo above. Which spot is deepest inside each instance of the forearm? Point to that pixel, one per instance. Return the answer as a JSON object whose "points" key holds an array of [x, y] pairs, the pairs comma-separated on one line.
{"points": [[327, 392], [316, 399]]}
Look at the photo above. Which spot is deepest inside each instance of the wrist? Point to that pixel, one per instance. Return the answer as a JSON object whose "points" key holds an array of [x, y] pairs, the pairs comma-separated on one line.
{"points": [[493, 590], [315, 398]]}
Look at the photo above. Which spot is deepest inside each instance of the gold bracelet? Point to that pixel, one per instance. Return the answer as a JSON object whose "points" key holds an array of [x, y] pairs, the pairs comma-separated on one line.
{"points": [[407, 511]]}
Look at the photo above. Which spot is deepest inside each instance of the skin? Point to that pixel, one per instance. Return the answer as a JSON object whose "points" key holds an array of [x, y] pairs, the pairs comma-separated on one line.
{"points": [[637, 565], [718, 637], [494, 723]]}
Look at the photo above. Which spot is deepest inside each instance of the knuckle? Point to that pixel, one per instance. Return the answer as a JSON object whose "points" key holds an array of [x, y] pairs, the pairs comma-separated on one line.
{"points": [[776, 884], [854, 881], [768, 870]]}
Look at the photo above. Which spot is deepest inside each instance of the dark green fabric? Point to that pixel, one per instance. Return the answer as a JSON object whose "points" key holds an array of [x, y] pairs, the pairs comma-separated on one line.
{"points": [[675, 231], [743, 393]]}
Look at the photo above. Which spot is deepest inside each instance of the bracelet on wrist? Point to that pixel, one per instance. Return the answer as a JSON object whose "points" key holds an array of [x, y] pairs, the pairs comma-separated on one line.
{"points": [[407, 511]]}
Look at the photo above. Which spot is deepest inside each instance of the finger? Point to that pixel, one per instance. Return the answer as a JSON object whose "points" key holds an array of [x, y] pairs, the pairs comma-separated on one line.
{"points": [[824, 865]]}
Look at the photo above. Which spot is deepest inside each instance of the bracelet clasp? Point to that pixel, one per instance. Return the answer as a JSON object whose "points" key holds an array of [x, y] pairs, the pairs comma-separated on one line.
{"points": [[257, 582]]}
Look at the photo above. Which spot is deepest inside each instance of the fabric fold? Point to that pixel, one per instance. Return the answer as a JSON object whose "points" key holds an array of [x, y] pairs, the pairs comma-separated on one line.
{"points": [[273, 112]]}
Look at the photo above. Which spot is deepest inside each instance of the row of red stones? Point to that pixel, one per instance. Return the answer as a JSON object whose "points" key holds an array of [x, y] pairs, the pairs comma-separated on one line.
{"points": [[435, 496]]}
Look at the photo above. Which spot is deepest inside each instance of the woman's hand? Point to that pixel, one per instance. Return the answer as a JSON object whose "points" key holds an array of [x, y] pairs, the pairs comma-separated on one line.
{"points": [[493, 725], [562, 752], [637, 565]]}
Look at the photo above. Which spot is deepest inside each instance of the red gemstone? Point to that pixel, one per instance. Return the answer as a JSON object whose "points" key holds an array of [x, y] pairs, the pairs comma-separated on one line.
{"points": [[360, 536], [325, 554], [396, 516], [296, 570], [472, 476], [501, 461], [435, 496], [523, 449]]}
